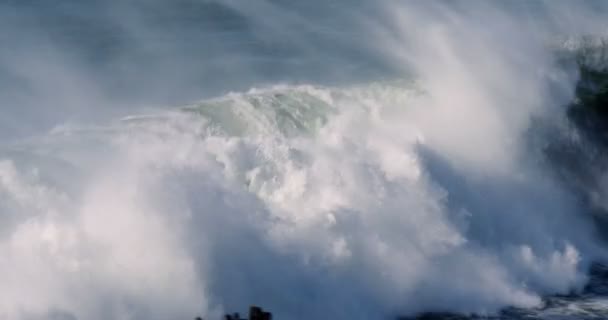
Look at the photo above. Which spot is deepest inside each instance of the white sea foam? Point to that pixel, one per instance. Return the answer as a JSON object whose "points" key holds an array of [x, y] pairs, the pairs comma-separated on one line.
{"points": [[175, 214]]}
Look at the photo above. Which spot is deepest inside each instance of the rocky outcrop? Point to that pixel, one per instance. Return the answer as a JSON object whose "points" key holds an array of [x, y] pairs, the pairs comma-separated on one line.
{"points": [[255, 313]]}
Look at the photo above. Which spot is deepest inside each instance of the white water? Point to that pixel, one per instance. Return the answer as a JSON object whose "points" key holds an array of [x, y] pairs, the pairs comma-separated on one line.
{"points": [[359, 201], [171, 215]]}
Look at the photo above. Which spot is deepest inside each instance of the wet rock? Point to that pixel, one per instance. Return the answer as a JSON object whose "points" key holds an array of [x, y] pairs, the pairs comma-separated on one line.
{"points": [[257, 313]]}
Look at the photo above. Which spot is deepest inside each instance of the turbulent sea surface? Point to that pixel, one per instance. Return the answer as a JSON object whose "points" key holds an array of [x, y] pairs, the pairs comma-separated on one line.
{"points": [[322, 159]]}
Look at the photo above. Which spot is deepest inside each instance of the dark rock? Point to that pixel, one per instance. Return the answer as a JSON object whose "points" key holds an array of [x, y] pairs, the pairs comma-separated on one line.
{"points": [[257, 313]]}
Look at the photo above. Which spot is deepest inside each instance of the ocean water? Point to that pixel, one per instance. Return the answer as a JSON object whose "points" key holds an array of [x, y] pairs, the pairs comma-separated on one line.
{"points": [[322, 159]]}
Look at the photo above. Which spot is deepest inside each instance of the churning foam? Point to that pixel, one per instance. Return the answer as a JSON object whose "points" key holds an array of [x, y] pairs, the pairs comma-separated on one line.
{"points": [[307, 200]]}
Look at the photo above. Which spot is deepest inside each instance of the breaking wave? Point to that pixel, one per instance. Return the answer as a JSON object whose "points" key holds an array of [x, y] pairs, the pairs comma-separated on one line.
{"points": [[329, 200], [449, 187]]}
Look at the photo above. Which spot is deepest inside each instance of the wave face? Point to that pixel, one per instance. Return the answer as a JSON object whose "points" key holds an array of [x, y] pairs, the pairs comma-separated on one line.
{"points": [[433, 190], [328, 200]]}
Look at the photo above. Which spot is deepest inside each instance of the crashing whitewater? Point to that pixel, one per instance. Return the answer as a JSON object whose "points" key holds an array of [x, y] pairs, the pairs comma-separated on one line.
{"points": [[368, 200], [334, 201]]}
